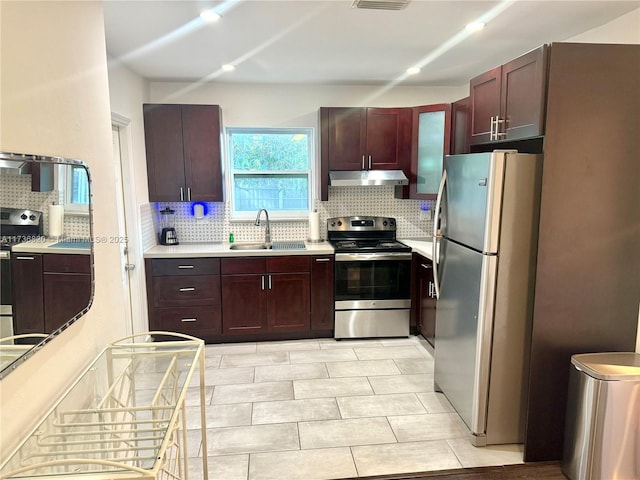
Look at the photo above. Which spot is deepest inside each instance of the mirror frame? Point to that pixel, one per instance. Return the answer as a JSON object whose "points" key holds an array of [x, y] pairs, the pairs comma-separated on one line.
{"points": [[34, 158]]}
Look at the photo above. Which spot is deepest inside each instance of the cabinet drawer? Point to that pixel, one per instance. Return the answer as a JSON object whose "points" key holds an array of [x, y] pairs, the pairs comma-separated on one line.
{"points": [[185, 266], [60, 263], [186, 290], [191, 320], [288, 264], [231, 266]]}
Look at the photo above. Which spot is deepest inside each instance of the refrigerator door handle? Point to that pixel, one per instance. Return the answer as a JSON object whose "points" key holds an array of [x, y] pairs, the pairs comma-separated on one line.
{"points": [[437, 235]]}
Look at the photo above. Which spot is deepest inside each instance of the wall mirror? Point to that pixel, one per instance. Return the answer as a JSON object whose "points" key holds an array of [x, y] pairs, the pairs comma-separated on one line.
{"points": [[46, 252]]}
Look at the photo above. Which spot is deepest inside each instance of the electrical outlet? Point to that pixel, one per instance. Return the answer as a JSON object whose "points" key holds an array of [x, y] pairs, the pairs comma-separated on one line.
{"points": [[425, 213]]}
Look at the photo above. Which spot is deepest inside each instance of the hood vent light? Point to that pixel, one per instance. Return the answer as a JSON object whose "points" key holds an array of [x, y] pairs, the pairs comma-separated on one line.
{"points": [[380, 4]]}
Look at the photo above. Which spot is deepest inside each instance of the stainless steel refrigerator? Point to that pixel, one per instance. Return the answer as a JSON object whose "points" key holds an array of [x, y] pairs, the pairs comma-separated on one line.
{"points": [[485, 274]]}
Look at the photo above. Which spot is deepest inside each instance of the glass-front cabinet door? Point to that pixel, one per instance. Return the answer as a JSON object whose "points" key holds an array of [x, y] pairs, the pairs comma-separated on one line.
{"points": [[430, 143]]}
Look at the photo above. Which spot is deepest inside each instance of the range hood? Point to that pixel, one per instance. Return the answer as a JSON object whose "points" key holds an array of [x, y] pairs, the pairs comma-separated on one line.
{"points": [[340, 178], [17, 167]]}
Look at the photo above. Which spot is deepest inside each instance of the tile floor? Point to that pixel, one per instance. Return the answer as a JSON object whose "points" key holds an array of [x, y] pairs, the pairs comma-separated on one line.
{"points": [[326, 409]]}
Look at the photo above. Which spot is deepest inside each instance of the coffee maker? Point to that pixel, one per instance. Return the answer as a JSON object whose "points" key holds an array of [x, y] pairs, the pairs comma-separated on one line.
{"points": [[168, 233]]}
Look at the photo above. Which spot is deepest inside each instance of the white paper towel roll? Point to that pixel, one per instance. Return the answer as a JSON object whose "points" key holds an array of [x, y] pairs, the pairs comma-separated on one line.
{"points": [[314, 225], [56, 220]]}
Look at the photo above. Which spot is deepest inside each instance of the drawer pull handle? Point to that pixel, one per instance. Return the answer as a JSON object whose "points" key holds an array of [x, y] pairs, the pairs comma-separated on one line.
{"points": [[25, 258], [187, 289], [188, 319], [323, 259], [423, 265], [185, 266]]}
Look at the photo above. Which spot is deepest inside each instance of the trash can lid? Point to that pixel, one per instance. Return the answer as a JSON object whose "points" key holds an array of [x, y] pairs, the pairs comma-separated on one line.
{"points": [[621, 366]]}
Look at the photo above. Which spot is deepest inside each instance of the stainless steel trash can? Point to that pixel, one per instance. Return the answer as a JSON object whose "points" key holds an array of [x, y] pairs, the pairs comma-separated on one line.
{"points": [[602, 430]]}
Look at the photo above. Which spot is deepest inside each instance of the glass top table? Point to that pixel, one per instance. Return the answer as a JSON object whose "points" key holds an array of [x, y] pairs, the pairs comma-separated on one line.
{"points": [[124, 417]]}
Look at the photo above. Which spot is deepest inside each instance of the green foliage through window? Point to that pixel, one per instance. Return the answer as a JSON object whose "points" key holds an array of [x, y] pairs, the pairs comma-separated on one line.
{"points": [[270, 168]]}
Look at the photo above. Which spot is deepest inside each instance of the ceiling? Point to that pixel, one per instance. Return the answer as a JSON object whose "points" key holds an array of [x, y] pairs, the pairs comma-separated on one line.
{"points": [[329, 42]]}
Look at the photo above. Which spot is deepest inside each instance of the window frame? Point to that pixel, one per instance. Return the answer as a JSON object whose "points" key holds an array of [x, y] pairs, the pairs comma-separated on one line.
{"points": [[310, 172], [67, 192]]}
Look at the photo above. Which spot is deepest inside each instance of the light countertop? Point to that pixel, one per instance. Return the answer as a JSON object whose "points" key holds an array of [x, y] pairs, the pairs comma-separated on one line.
{"points": [[419, 245], [48, 245], [221, 249]]}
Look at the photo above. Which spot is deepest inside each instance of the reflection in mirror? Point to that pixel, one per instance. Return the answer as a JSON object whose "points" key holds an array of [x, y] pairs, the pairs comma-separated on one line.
{"points": [[46, 258]]}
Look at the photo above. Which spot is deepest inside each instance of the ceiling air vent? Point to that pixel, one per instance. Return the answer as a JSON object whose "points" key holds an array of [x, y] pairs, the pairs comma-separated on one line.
{"points": [[380, 4]]}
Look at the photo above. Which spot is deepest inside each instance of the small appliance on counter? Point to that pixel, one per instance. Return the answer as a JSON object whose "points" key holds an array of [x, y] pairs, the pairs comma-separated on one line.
{"points": [[168, 234]]}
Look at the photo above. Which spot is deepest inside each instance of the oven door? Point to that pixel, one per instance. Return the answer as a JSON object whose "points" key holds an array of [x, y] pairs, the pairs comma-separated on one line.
{"points": [[373, 280]]}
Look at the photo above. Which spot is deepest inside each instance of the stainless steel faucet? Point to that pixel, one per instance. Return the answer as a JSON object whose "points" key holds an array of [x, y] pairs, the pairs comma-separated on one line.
{"points": [[267, 231]]}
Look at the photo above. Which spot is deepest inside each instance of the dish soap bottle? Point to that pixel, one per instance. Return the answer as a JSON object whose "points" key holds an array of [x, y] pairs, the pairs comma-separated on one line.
{"points": [[231, 238]]}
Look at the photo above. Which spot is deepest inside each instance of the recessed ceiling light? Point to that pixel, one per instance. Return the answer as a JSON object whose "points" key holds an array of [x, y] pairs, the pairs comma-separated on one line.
{"points": [[209, 16], [413, 70], [475, 26], [228, 67]]}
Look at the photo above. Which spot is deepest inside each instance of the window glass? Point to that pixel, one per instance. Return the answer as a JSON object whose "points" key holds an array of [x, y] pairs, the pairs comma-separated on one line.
{"points": [[270, 168]]}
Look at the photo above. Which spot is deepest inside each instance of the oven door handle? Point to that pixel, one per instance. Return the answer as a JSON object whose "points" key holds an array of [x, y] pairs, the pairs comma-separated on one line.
{"points": [[365, 257], [437, 234]]}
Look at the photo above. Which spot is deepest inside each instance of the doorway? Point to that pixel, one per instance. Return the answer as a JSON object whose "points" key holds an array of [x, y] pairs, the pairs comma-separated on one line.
{"points": [[128, 237]]}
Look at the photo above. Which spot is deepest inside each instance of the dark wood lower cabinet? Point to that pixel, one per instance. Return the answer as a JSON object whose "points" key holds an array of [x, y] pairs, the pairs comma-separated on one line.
{"points": [[242, 298], [28, 293], [48, 290], [424, 298], [183, 295], [322, 300]]}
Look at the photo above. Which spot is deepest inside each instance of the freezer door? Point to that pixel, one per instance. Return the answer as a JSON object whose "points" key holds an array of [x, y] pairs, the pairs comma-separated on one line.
{"points": [[473, 199], [464, 315]]}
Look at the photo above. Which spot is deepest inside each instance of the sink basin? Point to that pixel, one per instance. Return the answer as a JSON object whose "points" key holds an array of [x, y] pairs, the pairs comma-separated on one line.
{"points": [[249, 246]]}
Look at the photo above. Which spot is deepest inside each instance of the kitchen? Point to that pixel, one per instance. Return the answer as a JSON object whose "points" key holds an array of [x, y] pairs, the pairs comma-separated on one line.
{"points": [[88, 335]]}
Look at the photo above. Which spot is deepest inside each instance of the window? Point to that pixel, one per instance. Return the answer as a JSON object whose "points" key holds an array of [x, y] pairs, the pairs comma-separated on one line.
{"points": [[76, 189], [270, 168]]}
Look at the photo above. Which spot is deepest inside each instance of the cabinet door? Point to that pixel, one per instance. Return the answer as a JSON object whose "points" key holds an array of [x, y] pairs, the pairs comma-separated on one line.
{"points": [[485, 104], [388, 138], [460, 126], [523, 95], [347, 132], [427, 303], [201, 136], [322, 302], [65, 295], [288, 302], [244, 304], [28, 294], [430, 143], [164, 148]]}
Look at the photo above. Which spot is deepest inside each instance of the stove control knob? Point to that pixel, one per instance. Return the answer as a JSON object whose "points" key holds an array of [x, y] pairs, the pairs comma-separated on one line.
{"points": [[23, 216], [392, 222], [339, 223], [32, 218], [333, 224], [384, 223]]}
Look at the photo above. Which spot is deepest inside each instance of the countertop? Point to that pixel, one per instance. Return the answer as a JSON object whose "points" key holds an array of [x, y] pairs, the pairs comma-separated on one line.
{"points": [[47, 245], [420, 245], [221, 249]]}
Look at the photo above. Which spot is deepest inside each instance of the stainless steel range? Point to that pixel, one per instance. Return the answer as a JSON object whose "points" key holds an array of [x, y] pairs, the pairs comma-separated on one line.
{"points": [[16, 226], [372, 278]]}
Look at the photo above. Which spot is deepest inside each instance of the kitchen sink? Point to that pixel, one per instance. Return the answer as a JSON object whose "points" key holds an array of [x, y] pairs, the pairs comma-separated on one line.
{"points": [[249, 246]]}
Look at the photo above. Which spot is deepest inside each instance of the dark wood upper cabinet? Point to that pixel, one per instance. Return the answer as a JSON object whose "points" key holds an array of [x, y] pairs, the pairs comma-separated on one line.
{"points": [[460, 125], [183, 145], [363, 139], [507, 102], [430, 142]]}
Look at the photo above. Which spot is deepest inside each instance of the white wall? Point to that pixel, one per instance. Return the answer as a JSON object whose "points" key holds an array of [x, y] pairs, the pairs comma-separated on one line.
{"points": [[55, 101], [624, 29]]}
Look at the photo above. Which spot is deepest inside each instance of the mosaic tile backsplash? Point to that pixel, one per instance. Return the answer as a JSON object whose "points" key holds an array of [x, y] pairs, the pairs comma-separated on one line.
{"points": [[15, 192], [343, 201]]}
